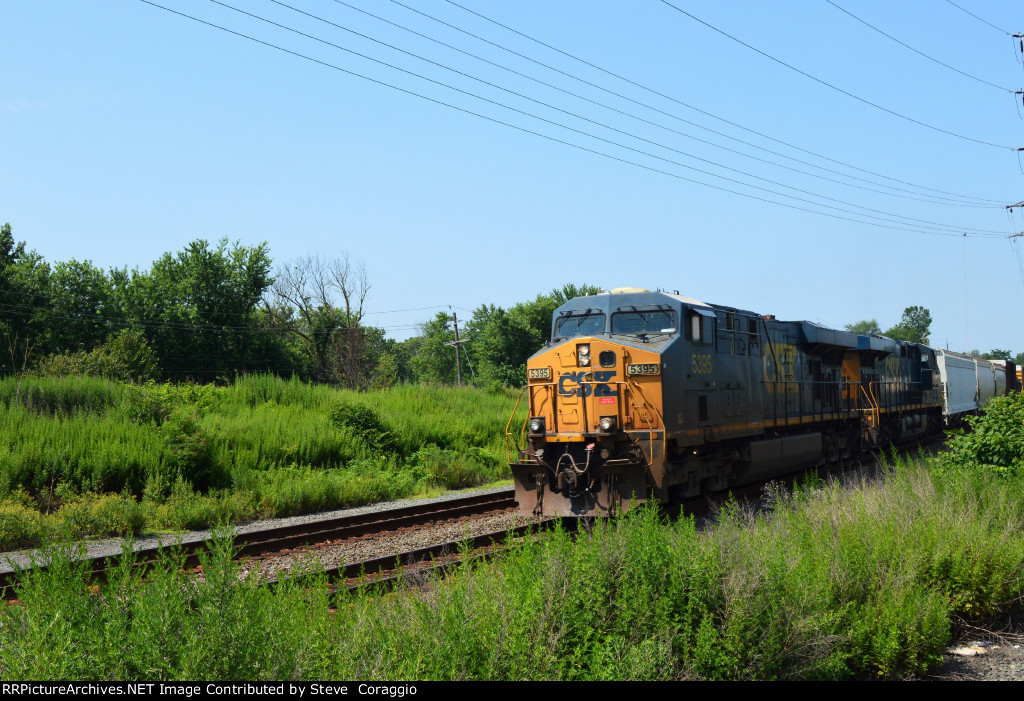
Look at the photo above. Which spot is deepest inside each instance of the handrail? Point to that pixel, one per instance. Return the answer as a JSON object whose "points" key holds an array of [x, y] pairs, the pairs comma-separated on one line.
{"points": [[869, 394], [650, 431], [508, 434]]}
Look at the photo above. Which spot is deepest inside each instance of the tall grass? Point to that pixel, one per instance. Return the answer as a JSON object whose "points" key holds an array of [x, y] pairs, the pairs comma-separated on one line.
{"points": [[262, 446], [864, 577]]}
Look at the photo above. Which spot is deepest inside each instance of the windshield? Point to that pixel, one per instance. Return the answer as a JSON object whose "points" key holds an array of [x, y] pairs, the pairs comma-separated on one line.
{"points": [[644, 322], [579, 325]]}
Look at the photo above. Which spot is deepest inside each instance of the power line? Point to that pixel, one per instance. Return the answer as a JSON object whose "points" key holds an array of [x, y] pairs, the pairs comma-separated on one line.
{"points": [[999, 29], [42, 295], [662, 95], [562, 141], [836, 88], [28, 310], [921, 223], [920, 53], [934, 199]]}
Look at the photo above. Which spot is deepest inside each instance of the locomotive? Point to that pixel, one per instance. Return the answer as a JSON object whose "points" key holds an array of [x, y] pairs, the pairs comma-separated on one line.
{"points": [[655, 396]]}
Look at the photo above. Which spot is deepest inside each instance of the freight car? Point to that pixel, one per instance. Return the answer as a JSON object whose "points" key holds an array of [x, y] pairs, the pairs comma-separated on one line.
{"points": [[648, 395], [969, 382]]}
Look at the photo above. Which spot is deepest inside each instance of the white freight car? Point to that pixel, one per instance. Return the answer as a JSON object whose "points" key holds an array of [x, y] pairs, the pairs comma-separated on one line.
{"points": [[967, 383]]}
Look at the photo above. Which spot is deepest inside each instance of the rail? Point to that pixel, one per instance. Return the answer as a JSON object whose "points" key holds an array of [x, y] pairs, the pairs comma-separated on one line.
{"points": [[292, 536]]}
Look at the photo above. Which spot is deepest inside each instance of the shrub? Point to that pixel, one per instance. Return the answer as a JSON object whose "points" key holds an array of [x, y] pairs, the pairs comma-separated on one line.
{"points": [[451, 469], [21, 525], [188, 451], [368, 425], [996, 439], [126, 356], [100, 515]]}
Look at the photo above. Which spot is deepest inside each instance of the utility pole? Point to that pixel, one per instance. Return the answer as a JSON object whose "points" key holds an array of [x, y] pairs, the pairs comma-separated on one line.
{"points": [[456, 342]]}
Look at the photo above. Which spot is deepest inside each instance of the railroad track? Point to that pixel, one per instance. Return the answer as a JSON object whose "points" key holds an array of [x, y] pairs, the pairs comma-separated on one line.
{"points": [[289, 537], [384, 573]]}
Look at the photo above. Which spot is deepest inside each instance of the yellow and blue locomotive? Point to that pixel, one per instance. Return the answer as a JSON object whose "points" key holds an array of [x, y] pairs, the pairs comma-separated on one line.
{"points": [[649, 395]]}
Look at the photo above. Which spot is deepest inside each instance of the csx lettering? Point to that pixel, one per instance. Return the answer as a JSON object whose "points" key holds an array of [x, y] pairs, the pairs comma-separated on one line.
{"points": [[585, 387], [701, 363]]}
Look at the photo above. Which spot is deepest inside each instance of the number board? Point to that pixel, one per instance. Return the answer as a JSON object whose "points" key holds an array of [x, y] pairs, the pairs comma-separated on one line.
{"points": [[642, 369]]}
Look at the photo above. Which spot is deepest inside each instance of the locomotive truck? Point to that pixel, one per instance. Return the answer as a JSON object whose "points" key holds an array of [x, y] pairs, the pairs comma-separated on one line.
{"points": [[655, 396]]}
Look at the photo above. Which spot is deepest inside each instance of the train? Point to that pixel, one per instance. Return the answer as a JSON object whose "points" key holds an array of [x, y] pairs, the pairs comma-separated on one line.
{"points": [[643, 395]]}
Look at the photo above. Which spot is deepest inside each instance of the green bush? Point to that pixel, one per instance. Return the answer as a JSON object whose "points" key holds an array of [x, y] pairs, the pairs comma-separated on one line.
{"points": [[182, 508], [189, 455], [995, 440], [98, 515], [126, 356], [368, 424], [21, 524], [451, 469]]}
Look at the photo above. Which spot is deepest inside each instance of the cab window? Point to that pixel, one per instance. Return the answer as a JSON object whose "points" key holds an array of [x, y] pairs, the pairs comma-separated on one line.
{"points": [[637, 322], [579, 325]]}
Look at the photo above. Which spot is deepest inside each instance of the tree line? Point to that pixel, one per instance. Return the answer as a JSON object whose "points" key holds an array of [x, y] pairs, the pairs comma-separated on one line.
{"points": [[213, 311]]}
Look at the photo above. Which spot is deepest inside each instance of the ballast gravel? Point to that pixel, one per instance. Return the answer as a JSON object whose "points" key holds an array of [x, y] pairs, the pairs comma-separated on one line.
{"points": [[114, 546], [352, 550]]}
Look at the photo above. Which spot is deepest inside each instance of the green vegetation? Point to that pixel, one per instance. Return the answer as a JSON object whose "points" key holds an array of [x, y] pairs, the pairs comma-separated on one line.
{"points": [[914, 326], [99, 457], [863, 577], [994, 440], [214, 312]]}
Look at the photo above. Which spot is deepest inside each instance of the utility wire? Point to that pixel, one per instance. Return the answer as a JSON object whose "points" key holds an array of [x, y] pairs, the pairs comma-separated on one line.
{"points": [[934, 198], [921, 223], [256, 312], [556, 139], [1000, 29], [659, 94], [830, 85], [920, 53], [32, 310]]}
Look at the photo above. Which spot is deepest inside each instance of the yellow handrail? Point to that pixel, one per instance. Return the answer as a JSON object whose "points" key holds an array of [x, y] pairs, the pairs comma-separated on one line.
{"points": [[650, 431], [509, 437]]}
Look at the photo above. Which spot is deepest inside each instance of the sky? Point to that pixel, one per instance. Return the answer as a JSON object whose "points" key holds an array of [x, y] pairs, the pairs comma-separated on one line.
{"points": [[475, 152]]}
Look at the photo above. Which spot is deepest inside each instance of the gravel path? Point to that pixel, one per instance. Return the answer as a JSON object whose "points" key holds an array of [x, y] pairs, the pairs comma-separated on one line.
{"points": [[113, 546]]}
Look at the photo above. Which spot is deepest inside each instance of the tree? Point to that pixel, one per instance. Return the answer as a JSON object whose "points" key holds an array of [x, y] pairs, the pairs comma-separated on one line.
{"points": [[433, 360], [84, 310], [319, 302], [502, 341], [1019, 358], [199, 310], [866, 326], [997, 354], [914, 326], [24, 278]]}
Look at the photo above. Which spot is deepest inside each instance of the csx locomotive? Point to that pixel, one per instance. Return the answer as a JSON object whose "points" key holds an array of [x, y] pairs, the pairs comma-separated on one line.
{"points": [[649, 395]]}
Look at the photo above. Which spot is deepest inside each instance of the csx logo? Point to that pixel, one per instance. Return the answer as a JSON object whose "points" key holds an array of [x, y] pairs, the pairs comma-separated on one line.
{"points": [[585, 390]]}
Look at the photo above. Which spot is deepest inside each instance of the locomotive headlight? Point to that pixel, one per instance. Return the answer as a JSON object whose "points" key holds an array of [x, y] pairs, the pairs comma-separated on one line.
{"points": [[583, 353], [607, 423], [537, 424]]}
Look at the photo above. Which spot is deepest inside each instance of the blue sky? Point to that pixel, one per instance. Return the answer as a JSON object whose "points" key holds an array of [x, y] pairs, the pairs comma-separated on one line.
{"points": [[127, 131]]}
